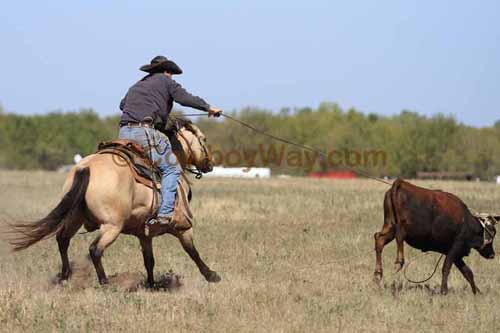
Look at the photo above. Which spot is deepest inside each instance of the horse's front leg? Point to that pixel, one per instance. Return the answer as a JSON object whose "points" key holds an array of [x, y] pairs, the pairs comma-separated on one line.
{"points": [[186, 239], [149, 260]]}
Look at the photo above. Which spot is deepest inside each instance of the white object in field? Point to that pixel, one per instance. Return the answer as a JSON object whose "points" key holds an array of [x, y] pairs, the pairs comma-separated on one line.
{"points": [[77, 158], [498, 180], [240, 172]]}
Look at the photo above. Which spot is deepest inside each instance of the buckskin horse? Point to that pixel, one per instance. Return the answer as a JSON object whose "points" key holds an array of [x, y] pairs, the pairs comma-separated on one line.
{"points": [[103, 194]]}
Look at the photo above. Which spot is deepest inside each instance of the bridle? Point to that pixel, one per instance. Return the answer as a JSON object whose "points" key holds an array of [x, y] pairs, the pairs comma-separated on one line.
{"points": [[196, 171]]}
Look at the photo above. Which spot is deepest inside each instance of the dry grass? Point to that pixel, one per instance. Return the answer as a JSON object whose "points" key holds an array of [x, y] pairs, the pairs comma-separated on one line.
{"points": [[294, 255]]}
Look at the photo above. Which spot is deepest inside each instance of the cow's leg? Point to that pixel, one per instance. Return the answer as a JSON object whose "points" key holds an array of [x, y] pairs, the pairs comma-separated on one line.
{"points": [[108, 234], [451, 257], [382, 238], [186, 239], [446, 272], [400, 237], [467, 273], [149, 260]]}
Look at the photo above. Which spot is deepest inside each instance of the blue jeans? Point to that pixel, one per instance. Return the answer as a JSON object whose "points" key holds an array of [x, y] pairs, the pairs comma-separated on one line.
{"points": [[161, 153]]}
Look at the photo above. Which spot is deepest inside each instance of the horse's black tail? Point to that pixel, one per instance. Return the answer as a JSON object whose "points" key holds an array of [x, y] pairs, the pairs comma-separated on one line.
{"points": [[27, 234]]}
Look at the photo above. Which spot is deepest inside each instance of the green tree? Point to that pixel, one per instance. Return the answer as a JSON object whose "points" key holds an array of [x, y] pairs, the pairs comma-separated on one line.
{"points": [[412, 142]]}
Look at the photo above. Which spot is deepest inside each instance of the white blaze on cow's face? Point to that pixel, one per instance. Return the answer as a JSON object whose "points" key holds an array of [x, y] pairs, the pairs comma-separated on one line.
{"points": [[488, 223]]}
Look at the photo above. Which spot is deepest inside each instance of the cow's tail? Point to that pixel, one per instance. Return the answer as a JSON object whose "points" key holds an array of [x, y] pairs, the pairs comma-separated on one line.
{"points": [[27, 234], [392, 198]]}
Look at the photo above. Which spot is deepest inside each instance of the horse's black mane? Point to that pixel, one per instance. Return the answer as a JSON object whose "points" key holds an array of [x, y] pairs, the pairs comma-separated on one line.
{"points": [[175, 123]]}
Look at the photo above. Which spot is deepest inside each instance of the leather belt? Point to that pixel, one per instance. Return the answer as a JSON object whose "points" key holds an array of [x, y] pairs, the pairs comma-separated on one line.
{"points": [[140, 124]]}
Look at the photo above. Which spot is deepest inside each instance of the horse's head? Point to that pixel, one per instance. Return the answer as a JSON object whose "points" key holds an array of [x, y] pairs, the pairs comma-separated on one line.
{"points": [[189, 145]]}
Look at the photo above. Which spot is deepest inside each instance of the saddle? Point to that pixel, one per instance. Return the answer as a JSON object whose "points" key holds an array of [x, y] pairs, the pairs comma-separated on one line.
{"points": [[144, 171]]}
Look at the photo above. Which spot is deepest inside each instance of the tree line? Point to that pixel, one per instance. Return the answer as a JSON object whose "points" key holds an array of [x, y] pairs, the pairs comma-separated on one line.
{"points": [[399, 145]]}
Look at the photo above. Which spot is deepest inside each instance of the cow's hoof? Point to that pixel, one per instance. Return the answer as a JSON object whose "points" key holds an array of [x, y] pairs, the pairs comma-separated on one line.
{"points": [[213, 277], [377, 277], [398, 266], [444, 291], [62, 278]]}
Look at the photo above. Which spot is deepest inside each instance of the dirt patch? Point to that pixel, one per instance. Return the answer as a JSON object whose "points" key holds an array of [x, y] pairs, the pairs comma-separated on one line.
{"points": [[128, 281], [169, 282], [134, 281], [83, 276]]}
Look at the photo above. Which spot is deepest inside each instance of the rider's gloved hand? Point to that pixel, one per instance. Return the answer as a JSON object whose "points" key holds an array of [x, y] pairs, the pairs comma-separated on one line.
{"points": [[214, 112]]}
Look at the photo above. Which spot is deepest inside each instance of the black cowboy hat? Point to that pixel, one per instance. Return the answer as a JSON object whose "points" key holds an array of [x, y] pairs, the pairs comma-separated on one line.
{"points": [[161, 64]]}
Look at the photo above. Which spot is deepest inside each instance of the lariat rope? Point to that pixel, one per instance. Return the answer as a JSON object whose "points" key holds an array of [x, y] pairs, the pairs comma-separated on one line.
{"points": [[426, 279], [153, 186], [286, 141]]}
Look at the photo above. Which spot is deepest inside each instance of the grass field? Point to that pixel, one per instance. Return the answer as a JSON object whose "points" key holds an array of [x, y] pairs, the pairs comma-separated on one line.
{"points": [[295, 255]]}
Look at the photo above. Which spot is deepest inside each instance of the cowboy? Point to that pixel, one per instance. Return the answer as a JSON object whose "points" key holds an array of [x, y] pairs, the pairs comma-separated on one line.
{"points": [[147, 105]]}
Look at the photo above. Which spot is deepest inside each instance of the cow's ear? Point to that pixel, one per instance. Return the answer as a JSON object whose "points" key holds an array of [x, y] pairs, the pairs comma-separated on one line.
{"points": [[497, 218]]}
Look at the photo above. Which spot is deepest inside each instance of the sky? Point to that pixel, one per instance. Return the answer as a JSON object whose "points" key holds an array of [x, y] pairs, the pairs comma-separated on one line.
{"points": [[377, 56]]}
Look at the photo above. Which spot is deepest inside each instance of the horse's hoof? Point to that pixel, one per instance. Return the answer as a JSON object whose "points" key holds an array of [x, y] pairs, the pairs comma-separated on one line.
{"points": [[213, 277], [444, 291]]}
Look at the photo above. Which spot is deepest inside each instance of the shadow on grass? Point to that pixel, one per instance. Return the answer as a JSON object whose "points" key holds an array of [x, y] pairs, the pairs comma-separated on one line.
{"points": [[398, 288]]}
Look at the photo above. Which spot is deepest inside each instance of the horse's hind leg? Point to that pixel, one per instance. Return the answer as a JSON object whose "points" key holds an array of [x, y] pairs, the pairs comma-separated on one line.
{"points": [[63, 240], [108, 234], [186, 239]]}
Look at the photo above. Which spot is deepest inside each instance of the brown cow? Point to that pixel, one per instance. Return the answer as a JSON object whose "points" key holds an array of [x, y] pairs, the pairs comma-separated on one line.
{"points": [[433, 220]]}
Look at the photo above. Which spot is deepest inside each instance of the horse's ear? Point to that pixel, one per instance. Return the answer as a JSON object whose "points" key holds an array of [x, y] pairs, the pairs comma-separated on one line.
{"points": [[172, 124], [497, 218], [177, 124]]}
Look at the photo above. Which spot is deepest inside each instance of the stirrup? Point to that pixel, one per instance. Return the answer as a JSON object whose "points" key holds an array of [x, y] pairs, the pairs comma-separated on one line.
{"points": [[159, 220]]}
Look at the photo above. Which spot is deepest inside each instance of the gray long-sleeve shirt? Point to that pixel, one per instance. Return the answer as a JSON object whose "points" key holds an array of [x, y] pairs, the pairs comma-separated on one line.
{"points": [[154, 96]]}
